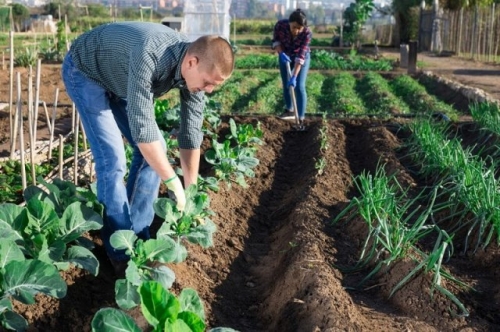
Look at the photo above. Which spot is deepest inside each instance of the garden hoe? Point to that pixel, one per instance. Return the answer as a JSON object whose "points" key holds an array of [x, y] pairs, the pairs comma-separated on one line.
{"points": [[298, 126]]}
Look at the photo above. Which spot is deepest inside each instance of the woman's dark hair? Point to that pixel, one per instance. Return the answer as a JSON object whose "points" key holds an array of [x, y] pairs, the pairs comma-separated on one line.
{"points": [[298, 16]]}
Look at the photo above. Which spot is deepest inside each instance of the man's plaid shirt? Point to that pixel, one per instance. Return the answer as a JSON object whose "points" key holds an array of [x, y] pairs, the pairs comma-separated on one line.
{"points": [[296, 48], [138, 62]]}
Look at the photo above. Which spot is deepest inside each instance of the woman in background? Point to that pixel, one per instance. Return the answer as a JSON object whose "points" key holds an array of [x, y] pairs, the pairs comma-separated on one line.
{"points": [[291, 40]]}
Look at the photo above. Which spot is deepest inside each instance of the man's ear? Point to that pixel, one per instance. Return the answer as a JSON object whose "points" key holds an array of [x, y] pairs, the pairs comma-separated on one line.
{"points": [[192, 61]]}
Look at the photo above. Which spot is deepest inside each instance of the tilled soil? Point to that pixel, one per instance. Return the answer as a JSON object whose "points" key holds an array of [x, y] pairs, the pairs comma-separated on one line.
{"points": [[274, 263], [274, 266]]}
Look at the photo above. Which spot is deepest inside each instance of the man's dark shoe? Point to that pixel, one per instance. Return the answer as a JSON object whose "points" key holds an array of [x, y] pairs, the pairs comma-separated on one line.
{"points": [[119, 267]]}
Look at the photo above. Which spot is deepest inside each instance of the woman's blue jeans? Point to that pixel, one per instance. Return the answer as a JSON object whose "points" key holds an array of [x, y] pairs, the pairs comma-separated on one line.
{"points": [[127, 206], [300, 88]]}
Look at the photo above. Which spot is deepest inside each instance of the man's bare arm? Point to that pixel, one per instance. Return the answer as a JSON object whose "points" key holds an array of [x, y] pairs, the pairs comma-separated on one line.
{"points": [[156, 157], [190, 163]]}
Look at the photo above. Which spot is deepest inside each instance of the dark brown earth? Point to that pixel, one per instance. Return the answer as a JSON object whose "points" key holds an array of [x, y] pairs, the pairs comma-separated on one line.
{"points": [[272, 267]]}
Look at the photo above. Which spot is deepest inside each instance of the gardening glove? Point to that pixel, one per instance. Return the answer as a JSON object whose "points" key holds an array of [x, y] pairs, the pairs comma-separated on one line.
{"points": [[284, 58], [292, 82], [174, 184]]}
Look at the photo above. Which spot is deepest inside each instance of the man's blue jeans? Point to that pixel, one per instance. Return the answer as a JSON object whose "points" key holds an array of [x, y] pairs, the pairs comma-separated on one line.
{"points": [[300, 88], [104, 118]]}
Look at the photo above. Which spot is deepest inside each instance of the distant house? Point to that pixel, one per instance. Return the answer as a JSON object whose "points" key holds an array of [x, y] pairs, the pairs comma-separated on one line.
{"points": [[40, 23]]}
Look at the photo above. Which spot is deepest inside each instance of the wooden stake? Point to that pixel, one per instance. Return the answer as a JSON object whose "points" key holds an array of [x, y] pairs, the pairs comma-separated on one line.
{"points": [[73, 117], [21, 134], [66, 31], [13, 125], [37, 96], [75, 148], [91, 172], [84, 136], [54, 111], [47, 117], [30, 124], [61, 151]]}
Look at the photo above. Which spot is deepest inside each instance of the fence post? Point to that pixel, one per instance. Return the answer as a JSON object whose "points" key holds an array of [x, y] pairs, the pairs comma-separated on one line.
{"points": [[473, 35], [491, 55], [481, 50], [403, 56], [412, 57], [497, 43], [436, 45], [420, 24]]}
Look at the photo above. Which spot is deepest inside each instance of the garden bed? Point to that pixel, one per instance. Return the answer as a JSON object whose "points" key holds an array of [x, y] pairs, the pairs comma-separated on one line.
{"points": [[276, 263], [272, 265]]}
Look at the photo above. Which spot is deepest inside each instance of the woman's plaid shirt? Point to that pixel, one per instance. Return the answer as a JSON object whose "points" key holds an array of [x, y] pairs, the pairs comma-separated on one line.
{"points": [[296, 48]]}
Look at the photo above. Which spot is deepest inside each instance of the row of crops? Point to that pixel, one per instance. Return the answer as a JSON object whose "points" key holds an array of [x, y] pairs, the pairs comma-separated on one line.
{"points": [[458, 207], [49, 233], [338, 94]]}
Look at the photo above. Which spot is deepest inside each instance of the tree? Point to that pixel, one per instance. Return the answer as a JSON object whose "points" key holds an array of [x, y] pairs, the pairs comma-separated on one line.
{"points": [[20, 14], [98, 10], [63, 7], [130, 13], [355, 16], [51, 9], [5, 18], [406, 20]]}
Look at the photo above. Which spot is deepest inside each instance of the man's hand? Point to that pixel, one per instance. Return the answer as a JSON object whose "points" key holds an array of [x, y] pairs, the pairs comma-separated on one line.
{"points": [[284, 58], [174, 184], [292, 82]]}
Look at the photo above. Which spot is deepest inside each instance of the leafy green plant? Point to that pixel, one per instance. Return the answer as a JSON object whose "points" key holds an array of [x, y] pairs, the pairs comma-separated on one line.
{"points": [[320, 59], [166, 116], [11, 190], [211, 118], [172, 144], [26, 58], [193, 224], [147, 257], [245, 135], [60, 194], [231, 164], [43, 235], [49, 52], [323, 131], [51, 226], [320, 165], [141, 266], [207, 183], [22, 279], [163, 311]]}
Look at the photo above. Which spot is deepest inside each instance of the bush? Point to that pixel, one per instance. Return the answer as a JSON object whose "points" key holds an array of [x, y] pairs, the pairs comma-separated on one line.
{"points": [[26, 58]]}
